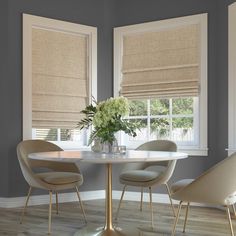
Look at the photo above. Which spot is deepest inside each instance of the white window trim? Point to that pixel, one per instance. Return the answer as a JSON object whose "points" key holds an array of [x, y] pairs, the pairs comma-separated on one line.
{"points": [[232, 80], [120, 32], [30, 21]]}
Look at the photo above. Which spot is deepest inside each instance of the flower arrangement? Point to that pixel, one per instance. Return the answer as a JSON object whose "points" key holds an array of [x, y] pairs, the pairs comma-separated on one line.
{"points": [[106, 117]]}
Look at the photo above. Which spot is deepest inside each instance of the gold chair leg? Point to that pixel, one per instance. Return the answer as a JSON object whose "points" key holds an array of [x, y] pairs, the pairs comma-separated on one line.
{"points": [[141, 201], [171, 202], [50, 212], [230, 222], [121, 198], [186, 217], [81, 204], [151, 208], [176, 218], [26, 204], [57, 206]]}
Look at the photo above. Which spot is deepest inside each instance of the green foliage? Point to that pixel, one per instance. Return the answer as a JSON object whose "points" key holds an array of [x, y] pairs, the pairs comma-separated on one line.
{"points": [[107, 118], [138, 108], [159, 106], [183, 106], [89, 113], [184, 122]]}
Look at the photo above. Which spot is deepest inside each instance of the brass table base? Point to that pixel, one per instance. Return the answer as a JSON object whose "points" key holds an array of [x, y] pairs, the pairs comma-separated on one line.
{"points": [[93, 230], [109, 229]]}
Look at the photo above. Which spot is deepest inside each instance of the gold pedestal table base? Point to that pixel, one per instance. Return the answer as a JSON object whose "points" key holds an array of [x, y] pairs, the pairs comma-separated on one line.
{"points": [[109, 229], [93, 230]]}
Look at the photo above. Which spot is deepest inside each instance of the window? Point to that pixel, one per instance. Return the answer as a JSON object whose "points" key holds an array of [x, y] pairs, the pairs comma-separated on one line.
{"points": [[161, 67], [59, 79], [232, 81], [164, 119]]}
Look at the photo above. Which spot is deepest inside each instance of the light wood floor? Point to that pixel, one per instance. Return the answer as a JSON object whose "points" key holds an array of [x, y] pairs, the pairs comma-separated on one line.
{"points": [[201, 221]]}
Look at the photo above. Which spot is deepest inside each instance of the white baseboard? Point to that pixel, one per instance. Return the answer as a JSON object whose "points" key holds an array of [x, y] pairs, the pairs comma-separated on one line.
{"points": [[156, 198], [135, 196], [44, 199], [85, 196]]}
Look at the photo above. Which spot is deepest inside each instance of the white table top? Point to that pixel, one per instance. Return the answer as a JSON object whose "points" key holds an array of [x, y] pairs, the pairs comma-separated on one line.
{"points": [[101, 158]]}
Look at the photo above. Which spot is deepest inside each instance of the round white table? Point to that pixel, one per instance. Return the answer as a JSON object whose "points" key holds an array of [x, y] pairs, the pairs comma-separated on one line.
{"points": [[108, 159]]}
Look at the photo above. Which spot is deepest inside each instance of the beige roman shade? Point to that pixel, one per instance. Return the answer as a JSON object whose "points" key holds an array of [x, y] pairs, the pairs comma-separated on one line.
{"points": [[161, 64], [59, 78]]}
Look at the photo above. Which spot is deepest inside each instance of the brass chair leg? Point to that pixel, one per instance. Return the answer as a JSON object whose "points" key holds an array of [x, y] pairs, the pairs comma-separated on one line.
{"points": [[176, 218], [26, 204], [57, 206], [50, 212], [151, 208], [121, 198], [141, 201], [230, 222], [81, 204], [186, 217], [171, 202]]}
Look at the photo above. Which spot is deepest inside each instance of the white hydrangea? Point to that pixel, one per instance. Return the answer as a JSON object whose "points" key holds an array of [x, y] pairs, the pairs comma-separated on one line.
{"points": [[109, 110]]}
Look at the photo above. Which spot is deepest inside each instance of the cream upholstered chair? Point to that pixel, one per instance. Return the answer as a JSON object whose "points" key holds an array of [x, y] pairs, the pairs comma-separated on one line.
{"points": [[215, 186], [137, 174], [55, 177]]}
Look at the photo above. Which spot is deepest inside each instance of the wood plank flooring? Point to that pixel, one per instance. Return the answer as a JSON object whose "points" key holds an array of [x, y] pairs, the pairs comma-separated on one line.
{"points": [[201, 221]]}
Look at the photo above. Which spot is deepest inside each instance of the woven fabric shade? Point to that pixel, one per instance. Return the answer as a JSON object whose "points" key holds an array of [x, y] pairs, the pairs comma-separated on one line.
{"points": [[161, 64], [59, 78]]}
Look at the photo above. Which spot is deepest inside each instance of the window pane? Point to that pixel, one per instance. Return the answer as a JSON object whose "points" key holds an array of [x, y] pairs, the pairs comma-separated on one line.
{"points": [[46, 134], [159, 106], [66, 134], [142, 132], [138, 107], [71, 135], [182, 129], [160, 128], [182, 106]]}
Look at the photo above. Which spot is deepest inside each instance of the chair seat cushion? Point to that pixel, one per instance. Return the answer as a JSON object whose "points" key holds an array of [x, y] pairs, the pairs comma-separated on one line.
{"points": [[139, 175], [180, 184], [59, 178]]}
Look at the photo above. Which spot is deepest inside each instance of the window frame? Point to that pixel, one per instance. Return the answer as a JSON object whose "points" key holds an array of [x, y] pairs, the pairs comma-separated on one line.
{"points": [[29, 22], [231, 79], [119, 32], [171, 116]]}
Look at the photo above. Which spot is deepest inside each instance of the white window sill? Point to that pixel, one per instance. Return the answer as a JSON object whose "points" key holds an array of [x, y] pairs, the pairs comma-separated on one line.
{"points": [[72, 146], [230, 150], [190, 151], [194, 151]]}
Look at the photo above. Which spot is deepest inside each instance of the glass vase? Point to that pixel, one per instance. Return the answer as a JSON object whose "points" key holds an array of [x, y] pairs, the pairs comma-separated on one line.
{"points": [[107, 147]]}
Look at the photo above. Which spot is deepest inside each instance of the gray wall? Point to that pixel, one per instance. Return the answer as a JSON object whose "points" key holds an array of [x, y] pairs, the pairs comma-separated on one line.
{"points": [[3, 97], [222, 76], [105, 15]]}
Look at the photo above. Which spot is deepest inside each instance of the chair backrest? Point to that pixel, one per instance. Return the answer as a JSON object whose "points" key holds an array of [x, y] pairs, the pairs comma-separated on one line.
{"points": [[27, 165], [154, 145], [216, 185]]}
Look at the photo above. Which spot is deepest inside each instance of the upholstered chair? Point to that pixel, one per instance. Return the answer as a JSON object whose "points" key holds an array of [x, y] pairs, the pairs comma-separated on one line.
{"points": [[216, 186], [140, 175], [48, 175]]}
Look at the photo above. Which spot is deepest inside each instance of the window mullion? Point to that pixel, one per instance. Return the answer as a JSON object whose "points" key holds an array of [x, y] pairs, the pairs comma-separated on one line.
{"points": [[148, 120], [59, 134], [196, 122], [170, 117]]}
